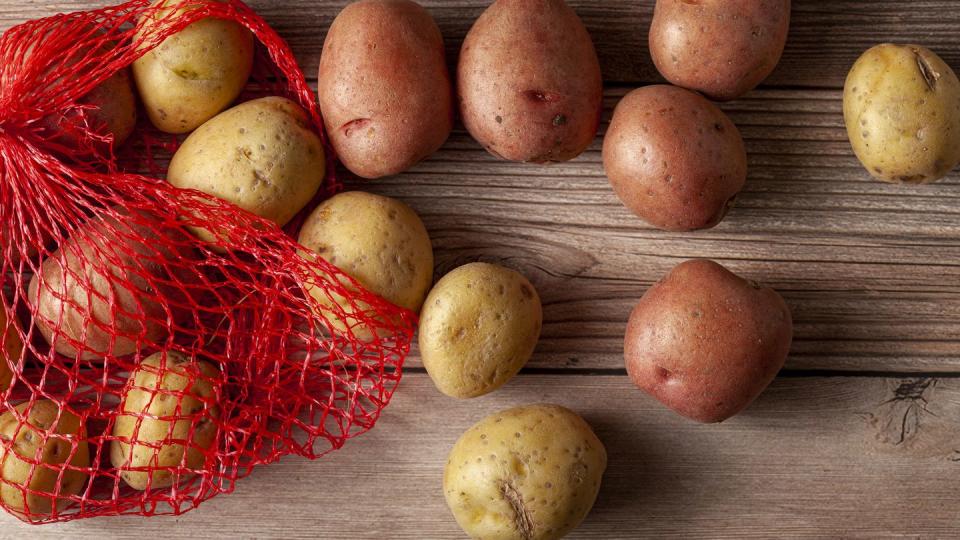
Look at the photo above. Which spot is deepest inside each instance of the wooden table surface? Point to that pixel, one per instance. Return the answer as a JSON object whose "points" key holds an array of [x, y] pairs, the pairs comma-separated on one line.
{"points": [[858, 438]]}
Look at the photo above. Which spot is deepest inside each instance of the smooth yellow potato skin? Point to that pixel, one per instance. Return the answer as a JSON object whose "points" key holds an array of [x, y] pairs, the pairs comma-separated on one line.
{"points": [[901, 106], [12, 348], [154, 393], [261, 155], [378, 241], [57, 449], [195, 73], [528, 473], [479, 326]]}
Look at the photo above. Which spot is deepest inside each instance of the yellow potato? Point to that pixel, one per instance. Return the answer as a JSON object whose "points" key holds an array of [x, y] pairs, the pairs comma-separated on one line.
{"points": [[12, 348], [52, 437], [168, 410], [378, 241], [901, 106], [528, 473], [261, 156], [479, 327], [195, 73]]}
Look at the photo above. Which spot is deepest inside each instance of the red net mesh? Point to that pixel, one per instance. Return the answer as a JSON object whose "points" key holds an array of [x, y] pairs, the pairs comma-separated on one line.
{"points": [[144, 370]]}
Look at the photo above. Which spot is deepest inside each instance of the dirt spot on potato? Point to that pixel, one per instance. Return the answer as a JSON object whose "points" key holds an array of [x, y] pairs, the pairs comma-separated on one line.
{"points": [[541, 96], [526, 291]]}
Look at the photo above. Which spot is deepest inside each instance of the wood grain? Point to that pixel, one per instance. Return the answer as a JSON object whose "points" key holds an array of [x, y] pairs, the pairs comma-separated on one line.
{"points": [[817, 457], [825, 37], [870, 270]]}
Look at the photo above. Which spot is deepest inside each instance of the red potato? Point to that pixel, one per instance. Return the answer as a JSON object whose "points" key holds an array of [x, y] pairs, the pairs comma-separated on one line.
{"points": [[673, 158], [100, 290], [108, 111], [11, 345], [721, 48], [384, 88], [111, 114], [529, 82], [706, 342]]}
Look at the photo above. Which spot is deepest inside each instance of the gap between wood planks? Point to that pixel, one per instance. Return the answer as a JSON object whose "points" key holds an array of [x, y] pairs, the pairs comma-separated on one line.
{"points": [[784, 374]]}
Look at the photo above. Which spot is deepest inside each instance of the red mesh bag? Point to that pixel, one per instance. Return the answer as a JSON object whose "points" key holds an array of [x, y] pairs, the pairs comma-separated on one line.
{"points": [[145, 370]]}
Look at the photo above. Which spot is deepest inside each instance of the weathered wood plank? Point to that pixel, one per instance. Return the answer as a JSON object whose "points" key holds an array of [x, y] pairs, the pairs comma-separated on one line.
{"points": [[814, 457], [870, 270], [825, 37]]}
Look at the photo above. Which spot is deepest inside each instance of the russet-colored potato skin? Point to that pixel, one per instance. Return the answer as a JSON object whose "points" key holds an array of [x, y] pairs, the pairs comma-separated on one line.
{"points": [[901, 106], [12, 348], [113, 113], [673, 158], [108, 110], [706, 342], [378, 241], [195, 73], [529, 81], [116, 106], [384, 88], [721, 48], [123, 300], [182, 392], [479, 326], [527, 473], [39, 440], [261, 155]]}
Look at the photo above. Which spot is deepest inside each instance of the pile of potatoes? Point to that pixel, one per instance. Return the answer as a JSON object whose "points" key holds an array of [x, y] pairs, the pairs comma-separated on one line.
{"points": [[703, 341], [529, 89], [263, 156]]}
